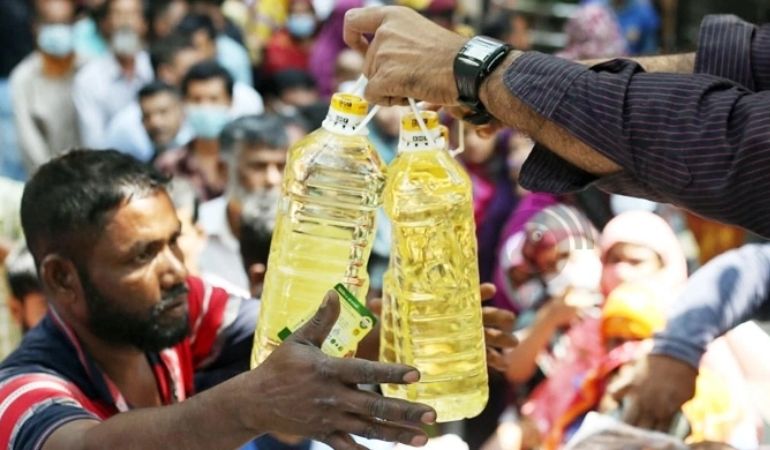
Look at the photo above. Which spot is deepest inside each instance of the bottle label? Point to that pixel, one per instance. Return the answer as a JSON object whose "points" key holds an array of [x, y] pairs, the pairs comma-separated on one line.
{"points": [[354, 323]]}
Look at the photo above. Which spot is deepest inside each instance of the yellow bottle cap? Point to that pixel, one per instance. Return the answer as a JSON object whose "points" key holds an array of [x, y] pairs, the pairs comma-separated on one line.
{"points": [[409, 121], [349, 104]]}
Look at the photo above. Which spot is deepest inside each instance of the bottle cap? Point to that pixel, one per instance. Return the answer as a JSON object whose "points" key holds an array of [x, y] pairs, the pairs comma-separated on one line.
{"points": [[414, 138], [349, 104]]}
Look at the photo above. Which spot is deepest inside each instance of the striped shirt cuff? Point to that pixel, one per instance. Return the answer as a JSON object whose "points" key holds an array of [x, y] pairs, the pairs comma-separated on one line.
{"points": [[760, 58], [571, 94], [724, 49]]}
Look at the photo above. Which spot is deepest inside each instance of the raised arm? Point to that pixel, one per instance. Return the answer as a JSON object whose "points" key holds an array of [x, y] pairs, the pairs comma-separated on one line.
{"points": [[694, 140], [297, 390]]}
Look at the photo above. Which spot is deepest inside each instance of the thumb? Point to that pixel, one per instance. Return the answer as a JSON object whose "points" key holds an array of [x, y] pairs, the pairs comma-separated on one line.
{"points": [[318, 327]]}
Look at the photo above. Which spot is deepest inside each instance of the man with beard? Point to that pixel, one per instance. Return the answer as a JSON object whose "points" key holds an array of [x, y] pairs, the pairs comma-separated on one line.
{"points": [[112, 364], [254, 149]]}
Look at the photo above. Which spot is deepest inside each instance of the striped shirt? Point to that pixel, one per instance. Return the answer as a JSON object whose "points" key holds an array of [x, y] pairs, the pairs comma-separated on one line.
{"points": [[50, 380], [700, 141]]}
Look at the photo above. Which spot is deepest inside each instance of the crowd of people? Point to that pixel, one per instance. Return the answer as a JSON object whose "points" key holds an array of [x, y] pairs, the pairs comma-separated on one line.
{"points": [[211, 95]]}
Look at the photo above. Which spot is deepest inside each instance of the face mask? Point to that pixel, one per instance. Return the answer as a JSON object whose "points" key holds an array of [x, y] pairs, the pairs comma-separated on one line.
{"points": [[301, 25], [582, 270], [125, 42], [56, 39], [208, 121]]}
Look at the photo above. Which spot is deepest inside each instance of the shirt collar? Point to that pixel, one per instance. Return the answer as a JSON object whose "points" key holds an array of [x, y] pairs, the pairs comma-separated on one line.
{"points": [[105, 389], [142, 68], [216, 225]]}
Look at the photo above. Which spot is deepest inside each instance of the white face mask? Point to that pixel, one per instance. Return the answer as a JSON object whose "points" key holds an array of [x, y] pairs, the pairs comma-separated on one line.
{"points": [[56, 39], [125, 42]]}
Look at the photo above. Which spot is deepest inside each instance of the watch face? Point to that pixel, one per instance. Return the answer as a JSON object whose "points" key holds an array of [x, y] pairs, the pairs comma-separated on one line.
{"points": [[478, 52]]}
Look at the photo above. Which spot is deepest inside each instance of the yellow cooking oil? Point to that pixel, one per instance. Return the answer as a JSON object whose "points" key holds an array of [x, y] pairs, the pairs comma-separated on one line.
{"points": [[324, 231], [434, 279], [388, 351]]}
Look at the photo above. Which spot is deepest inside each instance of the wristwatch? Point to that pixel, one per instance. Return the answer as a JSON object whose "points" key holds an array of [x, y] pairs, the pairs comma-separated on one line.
{"points": [[473, 63]]}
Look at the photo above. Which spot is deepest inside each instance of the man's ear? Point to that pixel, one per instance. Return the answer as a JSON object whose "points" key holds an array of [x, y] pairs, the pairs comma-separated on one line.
{"points": [[60, 279]]}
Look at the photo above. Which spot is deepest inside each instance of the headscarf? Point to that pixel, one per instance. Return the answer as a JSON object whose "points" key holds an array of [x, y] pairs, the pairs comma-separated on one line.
{"points": [[328, 45], [556, 225], [593, 32], [648, 230]]}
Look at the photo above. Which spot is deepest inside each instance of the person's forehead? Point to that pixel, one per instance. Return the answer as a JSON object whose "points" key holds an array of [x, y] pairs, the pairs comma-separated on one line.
{"points": [[208, 86], [57, 11], [125, 6], [264, 154], [140, 218], [158, 100]]}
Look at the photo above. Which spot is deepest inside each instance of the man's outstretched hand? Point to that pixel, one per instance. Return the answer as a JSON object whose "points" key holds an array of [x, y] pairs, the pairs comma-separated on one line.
{"points": [[300, 390]]}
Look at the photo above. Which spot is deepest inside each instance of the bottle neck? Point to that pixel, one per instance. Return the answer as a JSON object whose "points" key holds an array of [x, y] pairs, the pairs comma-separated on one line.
{"points": [[342, 123]]}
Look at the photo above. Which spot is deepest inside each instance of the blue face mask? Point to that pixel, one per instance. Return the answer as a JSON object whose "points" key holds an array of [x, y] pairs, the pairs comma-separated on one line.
{"points": [[207, 121], [56, 39], [301, 25]]}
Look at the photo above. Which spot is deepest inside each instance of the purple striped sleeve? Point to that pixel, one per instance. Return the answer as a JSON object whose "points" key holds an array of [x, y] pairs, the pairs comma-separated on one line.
{"points": [[731, 48], [697, 141]]}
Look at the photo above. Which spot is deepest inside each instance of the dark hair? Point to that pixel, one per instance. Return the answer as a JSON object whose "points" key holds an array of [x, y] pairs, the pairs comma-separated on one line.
{"points": [[163, 51], [314, 114], [298, 120], [65, 202], [287, 79], [209, 2], [255, 237], [156, 87], [193, 23], [205, 71], [264, 130], [21, 273]]}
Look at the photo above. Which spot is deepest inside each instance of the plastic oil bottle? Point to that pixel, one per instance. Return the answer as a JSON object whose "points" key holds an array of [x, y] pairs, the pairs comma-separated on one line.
{"points": [[434, 280], [324, 231]]}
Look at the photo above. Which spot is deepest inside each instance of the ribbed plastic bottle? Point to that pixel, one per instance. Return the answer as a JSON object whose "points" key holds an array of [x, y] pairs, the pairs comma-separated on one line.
{"points": [[388, 351], [324, 231], [434, 278]]}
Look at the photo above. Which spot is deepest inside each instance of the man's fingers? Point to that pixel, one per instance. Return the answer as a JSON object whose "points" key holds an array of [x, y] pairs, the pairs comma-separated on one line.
{"points": [[342, 441], [318, 327], [359, 22], [382, 431], [498, 339], [361, 371], [501, 319], [379, 92], [375, 406], [487, 291]]}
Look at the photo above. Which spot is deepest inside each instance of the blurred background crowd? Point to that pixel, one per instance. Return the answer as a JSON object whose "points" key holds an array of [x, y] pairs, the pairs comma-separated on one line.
{"points": [[214, 92]]}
